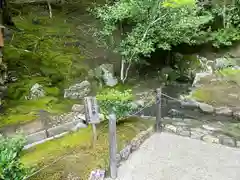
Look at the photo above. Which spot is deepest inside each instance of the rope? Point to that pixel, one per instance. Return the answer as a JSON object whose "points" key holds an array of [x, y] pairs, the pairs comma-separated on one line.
{"points": [[46, 166], [149, 104], [172, 98]]}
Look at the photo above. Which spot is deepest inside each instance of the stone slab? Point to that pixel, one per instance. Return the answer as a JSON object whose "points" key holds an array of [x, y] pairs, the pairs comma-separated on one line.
{"points": [[62, 128], [39, 136]]}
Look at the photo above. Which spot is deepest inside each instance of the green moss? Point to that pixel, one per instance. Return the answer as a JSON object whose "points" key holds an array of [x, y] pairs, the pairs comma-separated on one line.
{"points": [[52, 91], [16, 119], [220, 89], [80, 158], [231, 75], [202, 94], [19, 112], [52, 149], [232, 129], [20, 89], [46, 51]]}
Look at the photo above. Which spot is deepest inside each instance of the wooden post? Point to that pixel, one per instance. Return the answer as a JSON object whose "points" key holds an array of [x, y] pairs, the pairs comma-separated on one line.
{"points": [[94, 138], [92, 116], [44, 118], [113, 146], [158, 110]]}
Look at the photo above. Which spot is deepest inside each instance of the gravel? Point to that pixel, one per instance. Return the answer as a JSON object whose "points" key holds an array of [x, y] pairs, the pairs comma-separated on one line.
{"points": [[170, 157]]}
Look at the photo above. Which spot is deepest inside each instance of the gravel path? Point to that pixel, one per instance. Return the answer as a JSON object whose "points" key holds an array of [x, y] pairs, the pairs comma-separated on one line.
{"points": [[169, 157]]}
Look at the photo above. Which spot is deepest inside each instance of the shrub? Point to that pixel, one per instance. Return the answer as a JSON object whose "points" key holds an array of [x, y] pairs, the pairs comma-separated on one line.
{"points": [[118, 101], [10, 166]]}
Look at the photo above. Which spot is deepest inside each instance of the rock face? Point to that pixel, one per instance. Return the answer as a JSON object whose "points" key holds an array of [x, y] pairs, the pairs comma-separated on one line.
{"points": [[36, 91], [105, 72], [77, 91]]}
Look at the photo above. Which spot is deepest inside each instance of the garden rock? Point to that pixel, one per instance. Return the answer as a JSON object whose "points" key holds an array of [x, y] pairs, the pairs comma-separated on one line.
{"points": [[224, 111], [125, 152], [183, 131], [36, 92], [210, 128], [108, 75], [79, 125], [198, 133], [189, 104], [81, 117], [237, 115], [105, 73], [210, 139], [78, 108], [171, 128], [98, 174], [77, 91], [139, 103], [198, 77], [228, 141], [206, 108], [135, 144], [174, 112]]}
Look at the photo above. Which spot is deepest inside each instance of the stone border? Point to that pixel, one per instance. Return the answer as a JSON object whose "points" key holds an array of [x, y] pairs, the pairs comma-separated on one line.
{"points": [[209, 138], [135, 143], [52, 133], [124, 154]]}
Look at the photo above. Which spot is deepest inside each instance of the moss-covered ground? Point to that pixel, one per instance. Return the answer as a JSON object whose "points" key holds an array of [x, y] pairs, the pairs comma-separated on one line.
{"points": [[220, 89], [79, 156], [45, 51]]}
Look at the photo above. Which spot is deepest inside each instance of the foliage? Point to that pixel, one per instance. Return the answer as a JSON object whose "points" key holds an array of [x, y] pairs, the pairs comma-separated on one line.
{"points": [[118, 101], [147, 25], [10, 166], [44, 51], [39, 50], [76, 147]]}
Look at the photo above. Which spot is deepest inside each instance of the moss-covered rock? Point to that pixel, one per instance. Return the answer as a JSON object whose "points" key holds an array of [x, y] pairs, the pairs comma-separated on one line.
{"points": [[220, 89]]}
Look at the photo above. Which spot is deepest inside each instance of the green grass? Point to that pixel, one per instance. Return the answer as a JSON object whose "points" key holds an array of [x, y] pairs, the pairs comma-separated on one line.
{"points": [[80, 158]]}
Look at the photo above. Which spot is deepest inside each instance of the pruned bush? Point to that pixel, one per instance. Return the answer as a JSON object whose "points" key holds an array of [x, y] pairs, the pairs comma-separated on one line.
{"points": [[114, 100], [11, 167]]}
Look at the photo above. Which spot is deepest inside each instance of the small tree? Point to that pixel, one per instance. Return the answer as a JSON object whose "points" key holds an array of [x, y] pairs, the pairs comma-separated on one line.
{"points": [[11, 167], [147, 25]]}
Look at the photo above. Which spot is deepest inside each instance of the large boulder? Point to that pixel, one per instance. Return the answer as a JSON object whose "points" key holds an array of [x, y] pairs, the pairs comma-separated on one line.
{"points": [[78, 91], [36, 92], [105, 73]]}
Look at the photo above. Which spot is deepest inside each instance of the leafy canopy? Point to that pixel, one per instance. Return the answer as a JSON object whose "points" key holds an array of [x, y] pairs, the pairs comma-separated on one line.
{"points": [[147, 25]]}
